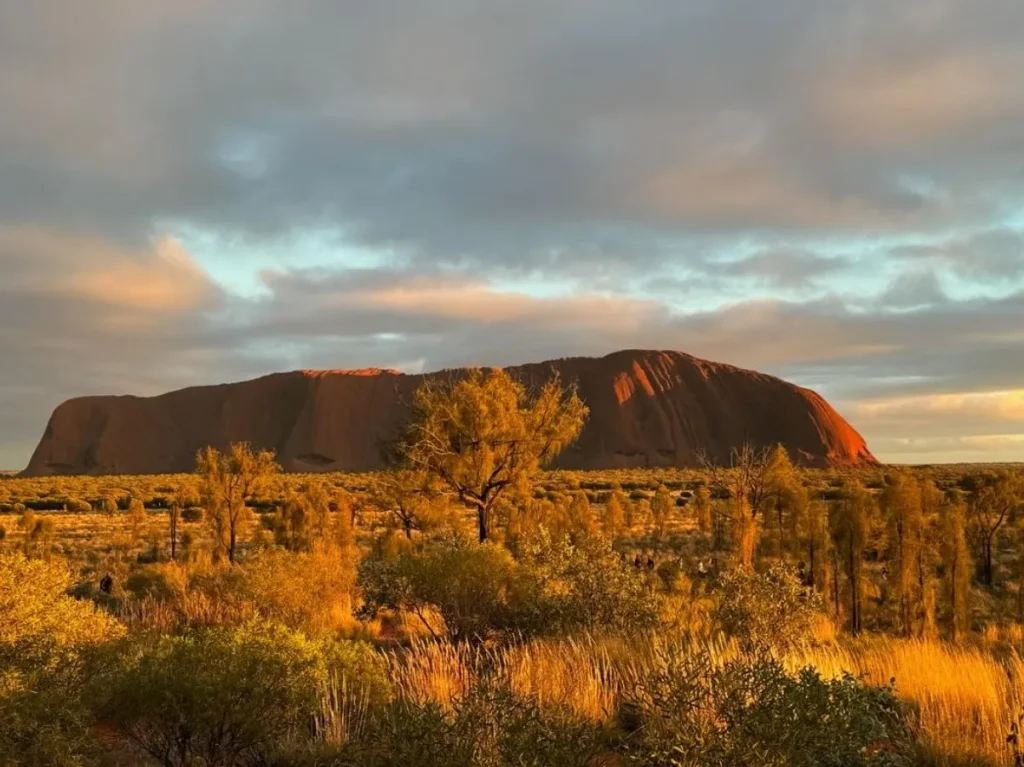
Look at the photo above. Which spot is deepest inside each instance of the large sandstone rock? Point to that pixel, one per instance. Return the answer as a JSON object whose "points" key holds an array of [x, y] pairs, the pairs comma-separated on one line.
{"points": [[646, 409]]}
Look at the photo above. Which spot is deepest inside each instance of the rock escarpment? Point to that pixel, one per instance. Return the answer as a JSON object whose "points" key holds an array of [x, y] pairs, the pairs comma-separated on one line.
{"points": [[646, 409]]}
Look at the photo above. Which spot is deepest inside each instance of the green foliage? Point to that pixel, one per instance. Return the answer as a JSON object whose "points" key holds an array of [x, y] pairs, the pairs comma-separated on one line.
{"points": [[483, 435], [490, 727], [690, 713], [45, 640], [215, 696], [310, 591], [37, 618], [587, 586], [769, 610], [480, 590], [476, 589]]}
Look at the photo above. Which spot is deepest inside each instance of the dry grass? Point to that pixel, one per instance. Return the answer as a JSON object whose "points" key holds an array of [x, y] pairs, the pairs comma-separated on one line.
{"points": [[965, 697]]}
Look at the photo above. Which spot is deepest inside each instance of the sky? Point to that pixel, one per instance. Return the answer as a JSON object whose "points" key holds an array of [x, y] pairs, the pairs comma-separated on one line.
{"points": [[211, 190]]}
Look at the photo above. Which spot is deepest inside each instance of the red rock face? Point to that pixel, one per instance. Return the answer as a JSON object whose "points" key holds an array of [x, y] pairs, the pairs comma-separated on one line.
{"points": [[646, 409]]}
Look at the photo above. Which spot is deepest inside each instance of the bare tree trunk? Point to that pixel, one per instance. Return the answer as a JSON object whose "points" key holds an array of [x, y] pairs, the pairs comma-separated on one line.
{"points": [[987, 574], [481, 517], [855, 620], [174, 532], [810, 569]]}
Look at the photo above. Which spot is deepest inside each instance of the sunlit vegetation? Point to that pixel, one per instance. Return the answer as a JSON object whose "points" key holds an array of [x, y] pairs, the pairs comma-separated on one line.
{"points": [[470, 608]]}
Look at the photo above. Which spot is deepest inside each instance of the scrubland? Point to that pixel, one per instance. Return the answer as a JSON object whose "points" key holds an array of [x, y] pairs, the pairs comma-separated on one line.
{"points": [[755, 614]]}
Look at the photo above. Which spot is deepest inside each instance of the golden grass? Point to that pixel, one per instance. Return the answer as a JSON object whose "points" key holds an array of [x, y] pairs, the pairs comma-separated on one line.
{"points": [[965, 698]]}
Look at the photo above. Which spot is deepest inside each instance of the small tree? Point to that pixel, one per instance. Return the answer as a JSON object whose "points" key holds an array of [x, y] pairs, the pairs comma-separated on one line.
{"points": [[227, 481], [483, 434], [580, 516], [989, 510], [702, 511], [661, 507], [956, 560], [769, 610], [404, 494], [849, 526], [217, 696], [818, 546], [901, 504], [746, 485], [174, 516], [613, 515], [136, 519]]}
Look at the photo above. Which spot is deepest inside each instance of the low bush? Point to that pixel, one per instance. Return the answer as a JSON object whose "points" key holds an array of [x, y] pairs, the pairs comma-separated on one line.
{"points": [[215, 696], [476, 589], [771, 609], [691, 713]]}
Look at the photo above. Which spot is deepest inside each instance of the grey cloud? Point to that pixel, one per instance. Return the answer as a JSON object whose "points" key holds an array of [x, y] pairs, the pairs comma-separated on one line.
{"points": [[616, 146], [787, 269], [449, 129], [993, 254]]}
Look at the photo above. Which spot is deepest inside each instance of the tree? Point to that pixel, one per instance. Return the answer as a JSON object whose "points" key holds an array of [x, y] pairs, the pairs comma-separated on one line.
{"points": [[928, 557], [227, 480], [661, 507], [344, 525], [174, 516], [404, 494], [613, 515], [768, 610], [745, 483], [990, 509], [849, 527], [901, 504], [320, 509], [956, 560], [780, 481], [580, 516], [818, 545], [702, 510], [485, 433], [475, 589], [292, 523], [136, 518]]}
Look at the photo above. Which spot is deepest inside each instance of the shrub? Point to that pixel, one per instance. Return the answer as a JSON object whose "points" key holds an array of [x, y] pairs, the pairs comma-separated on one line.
{"points": [[38, 618], [215, 696], [476, 588], [769, 610], [691, 713], [587, 586], [45, 638], [490, 727], [310, 591]]}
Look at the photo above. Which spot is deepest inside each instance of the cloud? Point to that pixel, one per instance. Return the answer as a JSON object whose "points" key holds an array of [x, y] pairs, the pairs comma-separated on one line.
{"points": [[989, 255], [925, 99], [830, 191]]}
